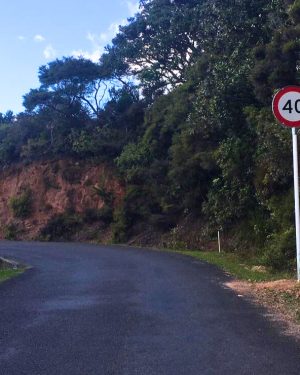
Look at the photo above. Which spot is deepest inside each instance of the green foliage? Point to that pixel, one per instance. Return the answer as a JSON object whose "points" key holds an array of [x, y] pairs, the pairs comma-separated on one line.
{"points": [[6, 118], [6, 274], [138, 204], [277, 61], [280, 254], [158, 45], [227, 202], [120, 226], [106, 195], [21, 205], [11, 232], [272, 172], [61, 227], [67, 84], [295, 11], [133, 160], [209, 147], [72, 174], [105, 215]]}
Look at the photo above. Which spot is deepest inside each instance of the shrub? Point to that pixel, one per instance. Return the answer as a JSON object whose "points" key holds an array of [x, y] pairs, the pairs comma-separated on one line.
{"points": [[90, 215], [120, 227], [105, 214], [50, 183], [106, 195], [72, 174], [61, 227], [281, 253], [11, 232], [21, 206]]}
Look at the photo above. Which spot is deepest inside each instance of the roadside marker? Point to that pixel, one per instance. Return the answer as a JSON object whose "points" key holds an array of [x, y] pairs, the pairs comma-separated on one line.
{"points": [[219, 241]]}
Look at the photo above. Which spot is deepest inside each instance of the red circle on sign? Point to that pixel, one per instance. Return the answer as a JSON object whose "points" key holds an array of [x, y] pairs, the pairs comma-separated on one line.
{"points": [[275, 106]]}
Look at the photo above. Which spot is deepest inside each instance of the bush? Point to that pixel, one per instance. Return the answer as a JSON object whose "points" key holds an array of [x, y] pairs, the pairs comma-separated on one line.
{"points": [[21, 206], [72, 174], [106, 195], [105, 214], [120, 227], [90, 216], [61, 227], [11, 232], [281, 254], [162, 222], [50, 183]]}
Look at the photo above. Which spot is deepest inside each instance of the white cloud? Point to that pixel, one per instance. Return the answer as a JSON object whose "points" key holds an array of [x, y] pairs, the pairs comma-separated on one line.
{"points": [[39, 38], [21, 38], [93, 56], [98, 42], [114, 27], [49, 52], [133, 7], [103, 37], [106, 36]]}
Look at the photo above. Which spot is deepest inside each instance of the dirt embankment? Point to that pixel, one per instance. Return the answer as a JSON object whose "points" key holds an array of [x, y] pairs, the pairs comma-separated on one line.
{"points": [[54, 187]]}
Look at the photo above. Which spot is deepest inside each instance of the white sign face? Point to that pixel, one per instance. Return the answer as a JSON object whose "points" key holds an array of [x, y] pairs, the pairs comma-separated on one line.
{"points": [[286, 106], [289, 106]]}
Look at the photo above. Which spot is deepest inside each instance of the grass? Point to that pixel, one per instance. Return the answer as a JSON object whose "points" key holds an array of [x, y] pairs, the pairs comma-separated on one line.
{"points": [[6, 274], [238, 267]]}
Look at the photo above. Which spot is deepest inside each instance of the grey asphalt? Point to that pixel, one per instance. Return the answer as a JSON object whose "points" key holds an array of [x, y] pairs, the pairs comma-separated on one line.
{"points": [[87, 309]]}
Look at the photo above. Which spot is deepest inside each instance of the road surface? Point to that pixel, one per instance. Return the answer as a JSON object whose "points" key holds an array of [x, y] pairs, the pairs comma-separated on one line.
{"points": [[87, 309]]}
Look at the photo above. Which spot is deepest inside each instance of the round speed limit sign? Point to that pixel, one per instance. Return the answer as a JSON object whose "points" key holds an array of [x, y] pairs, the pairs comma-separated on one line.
{"points": [[286, 106]]}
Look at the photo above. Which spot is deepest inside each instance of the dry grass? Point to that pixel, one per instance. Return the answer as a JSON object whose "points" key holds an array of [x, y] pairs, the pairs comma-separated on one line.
{"points": [[281, 298]]}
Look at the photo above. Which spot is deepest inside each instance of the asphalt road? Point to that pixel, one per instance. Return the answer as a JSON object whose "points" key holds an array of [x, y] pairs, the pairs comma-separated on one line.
{"points": [[87, 309]]}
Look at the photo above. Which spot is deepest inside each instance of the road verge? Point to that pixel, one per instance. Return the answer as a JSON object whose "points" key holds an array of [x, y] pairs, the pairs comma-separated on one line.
{"points": [[9, 269], [279, 293]]}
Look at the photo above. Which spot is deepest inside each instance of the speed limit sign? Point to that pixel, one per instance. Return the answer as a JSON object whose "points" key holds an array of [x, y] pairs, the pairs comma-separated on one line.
{"points": [[286, 106]]}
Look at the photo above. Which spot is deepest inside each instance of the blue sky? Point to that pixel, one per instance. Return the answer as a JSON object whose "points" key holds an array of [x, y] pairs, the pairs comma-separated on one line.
{"points": [[35, 32]]}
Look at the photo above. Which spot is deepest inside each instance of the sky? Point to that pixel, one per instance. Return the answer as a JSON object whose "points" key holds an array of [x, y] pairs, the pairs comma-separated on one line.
{"points": [[35, 32]]}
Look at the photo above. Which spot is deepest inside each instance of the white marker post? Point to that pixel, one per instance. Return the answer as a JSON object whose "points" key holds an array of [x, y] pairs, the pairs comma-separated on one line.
{"points": [[286, 108], [219, 241]]}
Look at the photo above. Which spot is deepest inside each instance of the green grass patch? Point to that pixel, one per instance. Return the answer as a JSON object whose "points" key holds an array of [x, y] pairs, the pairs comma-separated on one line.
{"points": [[6, 274], [238, 267]]}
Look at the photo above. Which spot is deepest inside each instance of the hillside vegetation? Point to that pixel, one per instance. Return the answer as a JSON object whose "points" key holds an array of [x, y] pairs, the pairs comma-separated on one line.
{"points": [[179, 106]]}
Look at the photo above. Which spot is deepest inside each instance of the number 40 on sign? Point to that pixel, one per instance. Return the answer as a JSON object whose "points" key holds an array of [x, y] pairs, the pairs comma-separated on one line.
{"points": [[286, 108]]}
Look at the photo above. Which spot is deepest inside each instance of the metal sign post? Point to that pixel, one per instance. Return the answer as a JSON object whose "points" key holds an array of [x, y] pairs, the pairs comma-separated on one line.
{"points": [[296, 191], [286, 108]]}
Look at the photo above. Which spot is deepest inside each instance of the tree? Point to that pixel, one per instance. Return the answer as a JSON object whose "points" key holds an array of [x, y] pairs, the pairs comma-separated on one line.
{"points": [[69, 86], [7, 118], [277, 62], [157, 46]]}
